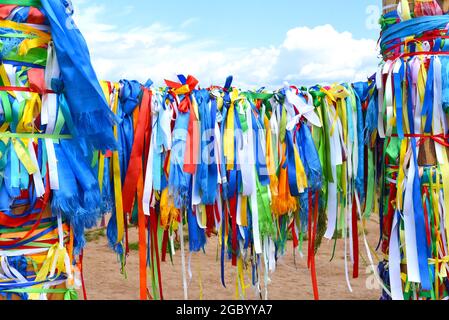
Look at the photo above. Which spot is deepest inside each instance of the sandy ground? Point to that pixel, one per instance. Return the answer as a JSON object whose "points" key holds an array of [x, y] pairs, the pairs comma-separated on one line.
{"points": [[290, 282]]}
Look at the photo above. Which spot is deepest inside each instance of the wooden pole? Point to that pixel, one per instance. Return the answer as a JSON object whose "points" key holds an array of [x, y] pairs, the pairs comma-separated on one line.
{"points": [[387, 3]]}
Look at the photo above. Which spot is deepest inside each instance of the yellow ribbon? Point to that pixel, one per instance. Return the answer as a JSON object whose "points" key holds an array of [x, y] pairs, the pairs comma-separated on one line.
{"points": [[229, 139], [401, 176], [24, 156], [442, 272], [117, 177], [31, 111], [405, 8], [55, 256], [41, 39]]}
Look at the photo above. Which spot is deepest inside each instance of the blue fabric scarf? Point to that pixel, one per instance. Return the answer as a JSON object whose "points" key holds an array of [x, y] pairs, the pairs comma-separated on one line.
{"points": [[90, 112], [78, 197]]}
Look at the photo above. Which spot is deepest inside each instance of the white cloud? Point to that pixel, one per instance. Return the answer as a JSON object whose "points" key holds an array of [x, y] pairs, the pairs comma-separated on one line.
{"points": [[322, 54], [307, 56], [188, 22]]}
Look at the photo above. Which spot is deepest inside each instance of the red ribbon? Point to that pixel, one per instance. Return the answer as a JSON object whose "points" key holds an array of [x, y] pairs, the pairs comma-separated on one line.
{"points": [[25, 89], [82, 276], [35, 16], [313, 228], [419, 53], [136, 165], [210, 220], [36, 77], [164, 246], [430, 36], [355, 239], [441, 139], [233, 205], [294, 235], [426, 216], [132, 180]]}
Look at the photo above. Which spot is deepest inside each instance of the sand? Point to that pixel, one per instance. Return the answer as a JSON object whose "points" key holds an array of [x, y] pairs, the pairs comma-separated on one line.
{"points": [[104, 281]]}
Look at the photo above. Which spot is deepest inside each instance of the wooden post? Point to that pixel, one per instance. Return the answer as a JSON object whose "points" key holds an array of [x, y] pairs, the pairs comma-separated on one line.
{"points": [[386, 5]]}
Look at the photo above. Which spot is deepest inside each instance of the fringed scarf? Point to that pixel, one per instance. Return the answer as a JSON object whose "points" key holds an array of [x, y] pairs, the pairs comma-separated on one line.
{"points": [[78, 196]]}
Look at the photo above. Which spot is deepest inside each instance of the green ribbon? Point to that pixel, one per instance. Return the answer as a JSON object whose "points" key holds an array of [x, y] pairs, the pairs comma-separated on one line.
{"points": [[69, 294], [35, 56], [370, 185], [283, 128], [266, 224], [264, 97], [242, 117], [18, 35], [393, 149], [325, 155], [34, 136], [7, 109], [23, 3], [3, 159]]}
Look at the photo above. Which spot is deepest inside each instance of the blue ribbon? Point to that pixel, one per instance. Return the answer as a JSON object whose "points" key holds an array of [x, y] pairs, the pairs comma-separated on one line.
{"points": [[361, 94], [413, 27], [428, 97], [207, 172], [421, 238], [197, 236], [398, 81], [310, 158], [291, 165], [179, 181], [261, 161]]}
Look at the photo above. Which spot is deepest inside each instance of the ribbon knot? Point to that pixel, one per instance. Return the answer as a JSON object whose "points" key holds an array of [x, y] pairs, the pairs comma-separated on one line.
{"points": [[185, 87], [439, 138], [57, 86], [442, 263], [317, 96]]}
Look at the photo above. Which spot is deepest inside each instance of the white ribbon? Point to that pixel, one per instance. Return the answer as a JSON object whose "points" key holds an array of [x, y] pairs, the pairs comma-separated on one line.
{"points": [[18, 253], [410, 228], [368, 251], [148, 187], [380, 90], [49, 106], [336, 160], [218, 152], [252, 175], [395, 262], [37, 177], [305, 110], [11, 272], [183, 261]]}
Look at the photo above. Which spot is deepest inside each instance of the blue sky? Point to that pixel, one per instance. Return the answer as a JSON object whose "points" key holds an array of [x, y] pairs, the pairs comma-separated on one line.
{"points": [[260, 42]]}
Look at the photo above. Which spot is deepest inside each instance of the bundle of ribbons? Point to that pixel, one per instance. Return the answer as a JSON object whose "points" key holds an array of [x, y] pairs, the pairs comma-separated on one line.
{"points": [[54, 120], [254, 168], [407, 135]]}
